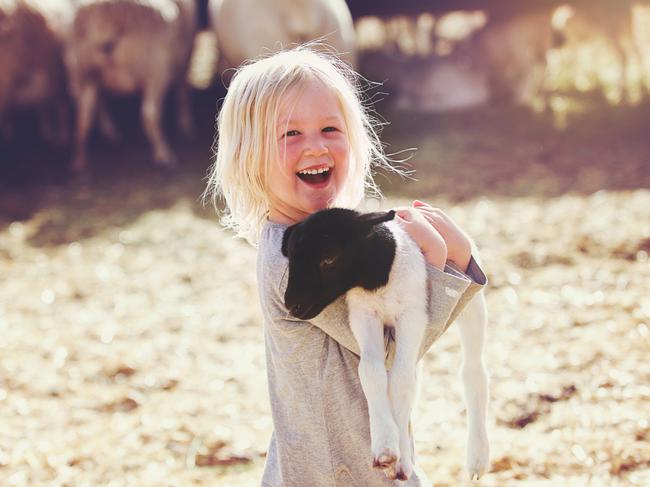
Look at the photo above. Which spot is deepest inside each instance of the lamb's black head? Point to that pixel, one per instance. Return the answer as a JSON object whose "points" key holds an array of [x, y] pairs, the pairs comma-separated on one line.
{"points": [[333, 251]]}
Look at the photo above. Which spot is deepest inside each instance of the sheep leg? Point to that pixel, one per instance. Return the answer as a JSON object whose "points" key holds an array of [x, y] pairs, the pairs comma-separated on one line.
{"points": [[384, 436], [630, 55], [106, 125], [86, 107], [152, 105], [53, 121], [403, 383], [472, 323], [185, 121]]}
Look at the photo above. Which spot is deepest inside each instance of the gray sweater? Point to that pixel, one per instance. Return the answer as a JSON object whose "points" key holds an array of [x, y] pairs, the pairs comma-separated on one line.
{"points": [[320, 415]]}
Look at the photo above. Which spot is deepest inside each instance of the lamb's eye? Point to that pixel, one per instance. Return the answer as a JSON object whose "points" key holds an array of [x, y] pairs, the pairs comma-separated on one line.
{"points": [[328, 261]]}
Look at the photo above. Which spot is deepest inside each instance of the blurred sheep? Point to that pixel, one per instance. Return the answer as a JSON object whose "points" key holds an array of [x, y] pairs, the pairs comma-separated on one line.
{"points": [[431, 83], [512, 50], [506, 58], [32, 75], [246, 29], [127, 47], [612, 23]]}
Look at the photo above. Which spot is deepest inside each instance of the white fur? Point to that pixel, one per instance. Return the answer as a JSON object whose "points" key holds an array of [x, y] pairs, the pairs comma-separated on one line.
{"points": [[277, 24], [391, 394]]}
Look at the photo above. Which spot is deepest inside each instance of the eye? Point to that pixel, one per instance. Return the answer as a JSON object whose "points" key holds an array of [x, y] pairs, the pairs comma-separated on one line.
{"points": [[327, 262], [330, 129], [292, 133]]}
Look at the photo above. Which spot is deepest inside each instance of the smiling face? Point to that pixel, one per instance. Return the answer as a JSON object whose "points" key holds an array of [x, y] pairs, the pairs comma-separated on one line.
{"points": [[313, 153]]}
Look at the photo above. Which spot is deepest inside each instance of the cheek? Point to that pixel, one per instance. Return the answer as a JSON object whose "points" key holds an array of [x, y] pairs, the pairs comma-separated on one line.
{"points": [[342, 156], [288, 156], [286, 164]]}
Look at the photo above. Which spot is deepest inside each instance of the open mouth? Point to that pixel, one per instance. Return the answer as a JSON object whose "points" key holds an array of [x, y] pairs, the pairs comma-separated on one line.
{"points": [[315, 177]]}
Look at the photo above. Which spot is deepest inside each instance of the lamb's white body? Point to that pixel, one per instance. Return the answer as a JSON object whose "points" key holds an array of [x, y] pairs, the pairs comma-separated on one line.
{"points": [[391, 394]]}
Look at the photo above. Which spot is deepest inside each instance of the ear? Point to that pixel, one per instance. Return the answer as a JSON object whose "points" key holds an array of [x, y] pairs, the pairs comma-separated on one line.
{"points": [[285, 240], [377, 217]]}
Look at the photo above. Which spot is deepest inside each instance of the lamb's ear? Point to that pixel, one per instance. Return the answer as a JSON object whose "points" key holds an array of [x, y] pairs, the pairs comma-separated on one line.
{"points": [[285, 240], [378, 217], [374, 219]]}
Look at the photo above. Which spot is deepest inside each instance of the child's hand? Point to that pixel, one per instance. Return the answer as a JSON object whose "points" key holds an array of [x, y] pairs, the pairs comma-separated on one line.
{"points": [[459, 247], [424, 234]]}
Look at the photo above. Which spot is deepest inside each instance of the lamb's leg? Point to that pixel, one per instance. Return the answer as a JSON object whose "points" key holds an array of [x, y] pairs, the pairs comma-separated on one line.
{"points": [[402, 383], [384, 440], [152, 106], [472, 323]]}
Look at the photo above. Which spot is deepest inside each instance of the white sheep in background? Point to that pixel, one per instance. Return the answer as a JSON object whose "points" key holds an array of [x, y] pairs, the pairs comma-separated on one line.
{"points": [[246, 29], [612, 23], [32, 75], [382, 272], [503, 57], [127, 47]]}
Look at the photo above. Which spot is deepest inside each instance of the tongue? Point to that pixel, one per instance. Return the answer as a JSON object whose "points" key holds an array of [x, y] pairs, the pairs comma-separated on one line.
{"points": [[314, 178]]}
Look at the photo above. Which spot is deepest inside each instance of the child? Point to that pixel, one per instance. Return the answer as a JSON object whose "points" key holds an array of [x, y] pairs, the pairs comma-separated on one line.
{"points": [[293, 138]]}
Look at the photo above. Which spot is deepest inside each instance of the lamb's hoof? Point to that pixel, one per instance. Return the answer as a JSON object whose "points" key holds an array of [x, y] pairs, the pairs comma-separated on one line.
{"points": [[478, 458], [403, 472], [385, 460], [391, 474], [400, 475]]}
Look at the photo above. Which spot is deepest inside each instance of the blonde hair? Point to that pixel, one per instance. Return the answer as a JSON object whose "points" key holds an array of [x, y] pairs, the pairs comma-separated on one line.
{"points": [[246, 142]]}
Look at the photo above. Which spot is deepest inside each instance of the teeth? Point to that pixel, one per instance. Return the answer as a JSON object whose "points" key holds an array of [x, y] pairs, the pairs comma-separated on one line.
{"points": [[314, 171]]}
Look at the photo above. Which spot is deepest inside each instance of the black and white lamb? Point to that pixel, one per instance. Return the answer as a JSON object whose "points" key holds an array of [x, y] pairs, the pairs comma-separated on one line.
{"points": [[371, 259]]}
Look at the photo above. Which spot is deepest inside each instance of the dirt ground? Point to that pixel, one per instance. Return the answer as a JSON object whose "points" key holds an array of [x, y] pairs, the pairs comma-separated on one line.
{"points": [[131, 347]]}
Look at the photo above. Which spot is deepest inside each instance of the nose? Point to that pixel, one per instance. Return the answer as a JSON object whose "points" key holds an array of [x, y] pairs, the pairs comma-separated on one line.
{"points": [[316, 146], [297, 310]]}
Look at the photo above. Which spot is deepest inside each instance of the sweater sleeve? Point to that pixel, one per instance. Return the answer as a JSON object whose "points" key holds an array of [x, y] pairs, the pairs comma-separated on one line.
{"points": [[449, 297]]}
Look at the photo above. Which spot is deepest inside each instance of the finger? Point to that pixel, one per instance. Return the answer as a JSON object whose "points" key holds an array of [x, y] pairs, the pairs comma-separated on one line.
{"points": [[433, 212], [430, 219], [421, 205], [439, 224], [418, 203]]}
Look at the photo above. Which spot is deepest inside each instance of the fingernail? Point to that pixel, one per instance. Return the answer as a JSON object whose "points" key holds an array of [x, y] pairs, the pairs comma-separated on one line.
{"points": [[418, 203]]}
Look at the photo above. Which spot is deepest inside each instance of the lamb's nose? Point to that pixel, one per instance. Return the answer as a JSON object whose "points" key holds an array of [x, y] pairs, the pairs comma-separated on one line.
{"points": [[296, 310]]}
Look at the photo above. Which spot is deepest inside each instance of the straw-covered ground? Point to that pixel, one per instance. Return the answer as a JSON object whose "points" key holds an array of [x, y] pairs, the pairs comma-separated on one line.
{"points": [[131, 348]]}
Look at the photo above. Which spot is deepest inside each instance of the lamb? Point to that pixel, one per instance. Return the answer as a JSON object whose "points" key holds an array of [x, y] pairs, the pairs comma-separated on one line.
{"points": [[31, 56], [382, 272], [246, 29], [128, 47]]}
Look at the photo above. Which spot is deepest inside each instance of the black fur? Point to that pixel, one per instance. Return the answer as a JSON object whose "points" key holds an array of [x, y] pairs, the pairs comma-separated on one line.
{"points": [[333, 251]]}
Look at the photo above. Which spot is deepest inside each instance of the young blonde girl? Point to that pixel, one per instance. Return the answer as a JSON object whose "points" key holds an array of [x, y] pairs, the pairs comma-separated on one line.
{"points": [[294, 138]]}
